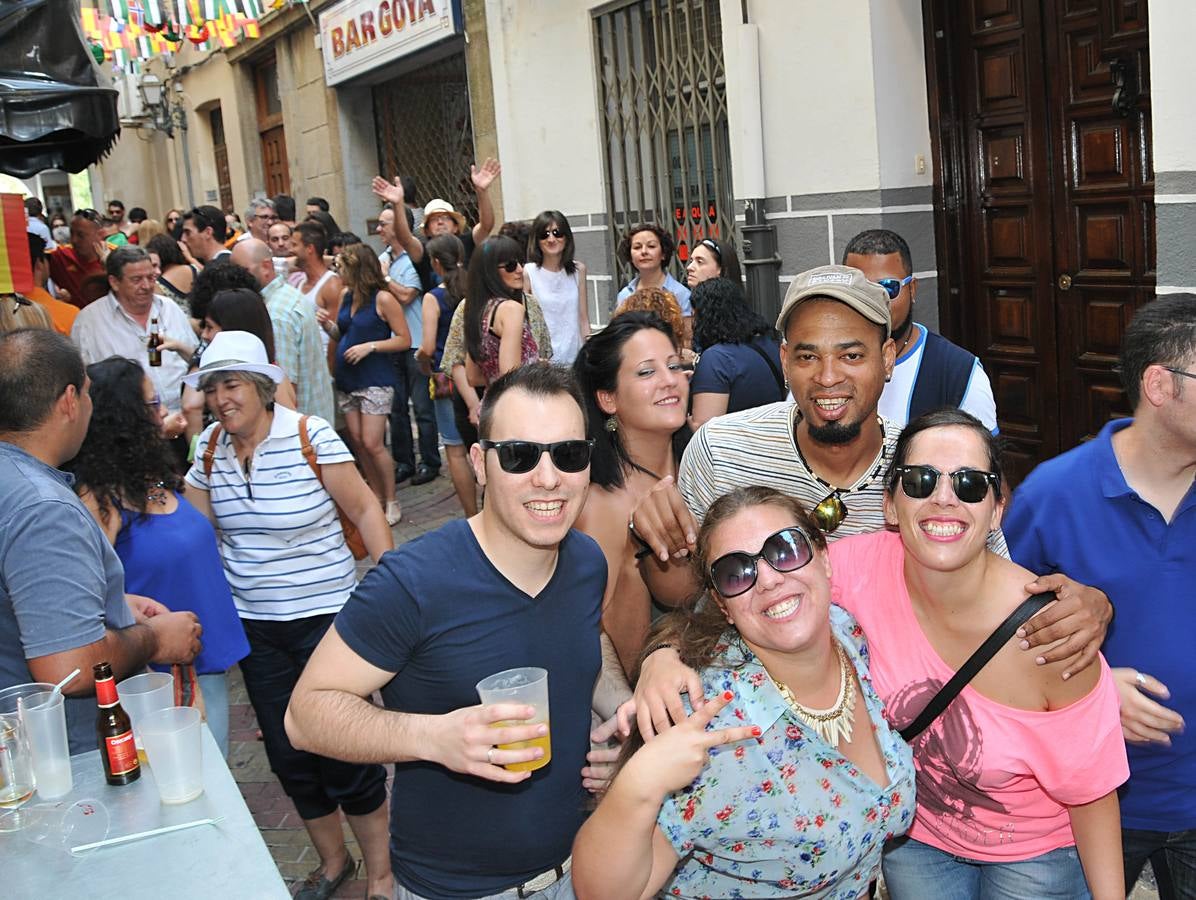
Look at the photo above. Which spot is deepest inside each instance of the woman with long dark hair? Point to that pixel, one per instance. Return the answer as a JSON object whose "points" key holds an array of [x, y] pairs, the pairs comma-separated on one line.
{"points": [[497, 333], [371, 328], [446, 254], [176, 276], [740, 365], [125, 475], [558, 282], [636, 396]]}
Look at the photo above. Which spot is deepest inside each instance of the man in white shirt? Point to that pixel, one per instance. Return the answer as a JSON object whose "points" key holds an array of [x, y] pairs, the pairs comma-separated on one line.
{"points": [[119, 324], [259, 216]]}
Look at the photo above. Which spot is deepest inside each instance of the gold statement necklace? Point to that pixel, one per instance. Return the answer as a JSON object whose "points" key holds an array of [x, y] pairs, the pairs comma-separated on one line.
{"points": [[833, 724]]}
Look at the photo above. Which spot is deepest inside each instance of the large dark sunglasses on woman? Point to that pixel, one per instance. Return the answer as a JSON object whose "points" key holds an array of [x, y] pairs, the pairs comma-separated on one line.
{"points": [[970, 485], [785, 551], [517, 457]]}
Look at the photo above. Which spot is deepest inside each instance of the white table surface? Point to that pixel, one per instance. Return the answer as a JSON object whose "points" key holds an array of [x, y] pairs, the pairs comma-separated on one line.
{"points": [[226, 860]]}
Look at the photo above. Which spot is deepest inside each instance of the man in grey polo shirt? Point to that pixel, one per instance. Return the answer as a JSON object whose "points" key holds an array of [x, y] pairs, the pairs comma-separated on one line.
{"points": [[62, 588]]}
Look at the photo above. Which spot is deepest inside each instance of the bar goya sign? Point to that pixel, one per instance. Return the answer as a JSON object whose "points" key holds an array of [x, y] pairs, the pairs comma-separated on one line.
{"points": [[360, 35]]}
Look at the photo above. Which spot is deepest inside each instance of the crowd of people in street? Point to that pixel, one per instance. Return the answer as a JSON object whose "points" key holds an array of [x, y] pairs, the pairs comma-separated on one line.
{"points": [[801, 633]]}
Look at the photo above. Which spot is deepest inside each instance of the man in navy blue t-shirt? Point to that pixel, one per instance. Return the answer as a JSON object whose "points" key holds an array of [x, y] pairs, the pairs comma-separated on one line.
{"points": [[513, 586], [1119, 512]]}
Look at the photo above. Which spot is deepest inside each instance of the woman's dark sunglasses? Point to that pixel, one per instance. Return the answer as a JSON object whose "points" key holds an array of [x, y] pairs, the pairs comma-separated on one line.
{"points": [[517, 457], [786, 551], [970, 485], [552, 232], [511, 265], [893, 286]]}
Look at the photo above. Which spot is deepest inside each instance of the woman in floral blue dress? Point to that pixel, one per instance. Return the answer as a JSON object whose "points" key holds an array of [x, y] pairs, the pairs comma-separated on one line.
{"points": [[798, 782]]}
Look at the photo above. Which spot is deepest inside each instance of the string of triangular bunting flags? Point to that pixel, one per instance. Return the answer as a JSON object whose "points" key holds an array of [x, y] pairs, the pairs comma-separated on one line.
{"points": [[127, 32]]}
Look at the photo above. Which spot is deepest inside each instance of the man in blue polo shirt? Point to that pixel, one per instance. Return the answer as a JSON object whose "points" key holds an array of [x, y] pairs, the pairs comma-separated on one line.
{"points": [[1119, 512], [512, 586]]}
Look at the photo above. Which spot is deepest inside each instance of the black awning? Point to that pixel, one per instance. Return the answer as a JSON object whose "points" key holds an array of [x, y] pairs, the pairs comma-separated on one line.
{"points": [[55, 112]]}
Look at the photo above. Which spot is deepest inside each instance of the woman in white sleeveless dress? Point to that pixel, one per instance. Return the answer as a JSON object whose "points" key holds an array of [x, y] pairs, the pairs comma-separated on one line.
{"points": [[558, 282]]}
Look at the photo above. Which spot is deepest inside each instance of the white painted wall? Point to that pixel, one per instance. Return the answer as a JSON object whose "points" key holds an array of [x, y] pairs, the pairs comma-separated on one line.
{"points": [[842, 92], [1172, 74], [816, 90], [545, 106], [902, 112]]}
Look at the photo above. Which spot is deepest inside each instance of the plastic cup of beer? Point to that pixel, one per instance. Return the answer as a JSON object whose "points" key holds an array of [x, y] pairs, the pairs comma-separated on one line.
{"points": [[528, 686], [142, 695], [44, 716], [174, 744], [16, 757]]}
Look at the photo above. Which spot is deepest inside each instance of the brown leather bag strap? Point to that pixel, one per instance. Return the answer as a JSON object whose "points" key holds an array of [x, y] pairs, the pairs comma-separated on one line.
{"points": [[308, 451], [209, 453]]}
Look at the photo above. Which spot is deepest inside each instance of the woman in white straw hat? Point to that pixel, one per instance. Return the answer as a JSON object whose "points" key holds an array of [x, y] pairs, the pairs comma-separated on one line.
{"points": [[290, 571]]}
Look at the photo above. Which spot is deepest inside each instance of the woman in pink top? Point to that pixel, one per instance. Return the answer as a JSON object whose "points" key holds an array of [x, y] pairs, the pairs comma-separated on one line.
{"points": [[1017, 779]]}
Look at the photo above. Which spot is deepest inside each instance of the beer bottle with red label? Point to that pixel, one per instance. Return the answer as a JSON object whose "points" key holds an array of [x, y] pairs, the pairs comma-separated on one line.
{"points": [[114, 730], [154, 344]]}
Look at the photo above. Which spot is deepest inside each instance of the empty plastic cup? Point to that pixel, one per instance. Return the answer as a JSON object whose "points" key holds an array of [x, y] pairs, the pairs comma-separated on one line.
{"points": [[44, 716], [173, 744], [527, 685], [143, 694]]}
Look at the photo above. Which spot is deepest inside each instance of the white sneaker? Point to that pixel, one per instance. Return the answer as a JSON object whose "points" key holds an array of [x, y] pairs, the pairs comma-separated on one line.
{"points": [[394, 512]]}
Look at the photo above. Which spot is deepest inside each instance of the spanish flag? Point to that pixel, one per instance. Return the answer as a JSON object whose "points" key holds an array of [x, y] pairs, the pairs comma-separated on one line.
{"points": [[16, 272]]}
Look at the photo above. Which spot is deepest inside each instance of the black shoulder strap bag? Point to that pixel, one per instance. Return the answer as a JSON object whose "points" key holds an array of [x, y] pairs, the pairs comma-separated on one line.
{"points": [[975, 663], [772, 367]]}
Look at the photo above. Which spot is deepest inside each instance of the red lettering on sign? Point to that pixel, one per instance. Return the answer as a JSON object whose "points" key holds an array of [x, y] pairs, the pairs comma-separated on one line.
{"points": [[695, 212], [678, 213], [367, 28], [352, 39], [426, 7], [385, 23], [338, 43]]}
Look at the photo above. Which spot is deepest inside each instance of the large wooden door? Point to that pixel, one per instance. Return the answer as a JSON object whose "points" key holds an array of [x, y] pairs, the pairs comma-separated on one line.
{"points": [[1045, 222], [275, 170], [224, 181]]}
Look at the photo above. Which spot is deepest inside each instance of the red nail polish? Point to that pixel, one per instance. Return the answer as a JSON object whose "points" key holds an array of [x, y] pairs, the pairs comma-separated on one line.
{"points": [[755, 731], [727, 695]]}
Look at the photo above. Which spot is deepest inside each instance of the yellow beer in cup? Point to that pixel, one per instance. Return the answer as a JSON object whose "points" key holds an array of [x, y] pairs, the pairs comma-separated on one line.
{"points": [[528, 686]]}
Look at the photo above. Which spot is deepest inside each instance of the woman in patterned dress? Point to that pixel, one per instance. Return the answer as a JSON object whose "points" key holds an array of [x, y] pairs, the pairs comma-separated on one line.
{"points": [[794, 790]]}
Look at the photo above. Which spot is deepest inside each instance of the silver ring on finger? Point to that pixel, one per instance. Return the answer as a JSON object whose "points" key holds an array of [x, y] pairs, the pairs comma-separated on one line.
{"points": [[1140, 678], [490, 755]]}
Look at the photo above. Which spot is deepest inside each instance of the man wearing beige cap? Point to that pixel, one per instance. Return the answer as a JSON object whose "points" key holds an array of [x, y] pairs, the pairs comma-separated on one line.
{"points": [[828, 447]]}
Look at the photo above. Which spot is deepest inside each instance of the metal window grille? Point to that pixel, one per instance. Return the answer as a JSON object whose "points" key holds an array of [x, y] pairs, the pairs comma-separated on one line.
{"points": [[662, 95], [424, 130]]}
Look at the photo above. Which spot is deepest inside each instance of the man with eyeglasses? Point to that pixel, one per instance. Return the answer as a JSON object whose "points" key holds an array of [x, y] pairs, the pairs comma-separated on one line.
{"points": [[76, 268], [204, 233], [1119, 511], [259, 216], [119, 324], [513, 586], [930, 371], [829, 448]]}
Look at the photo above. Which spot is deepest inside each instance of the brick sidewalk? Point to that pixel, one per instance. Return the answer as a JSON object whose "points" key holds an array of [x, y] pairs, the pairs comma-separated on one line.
{"points": [[425, 508]]}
